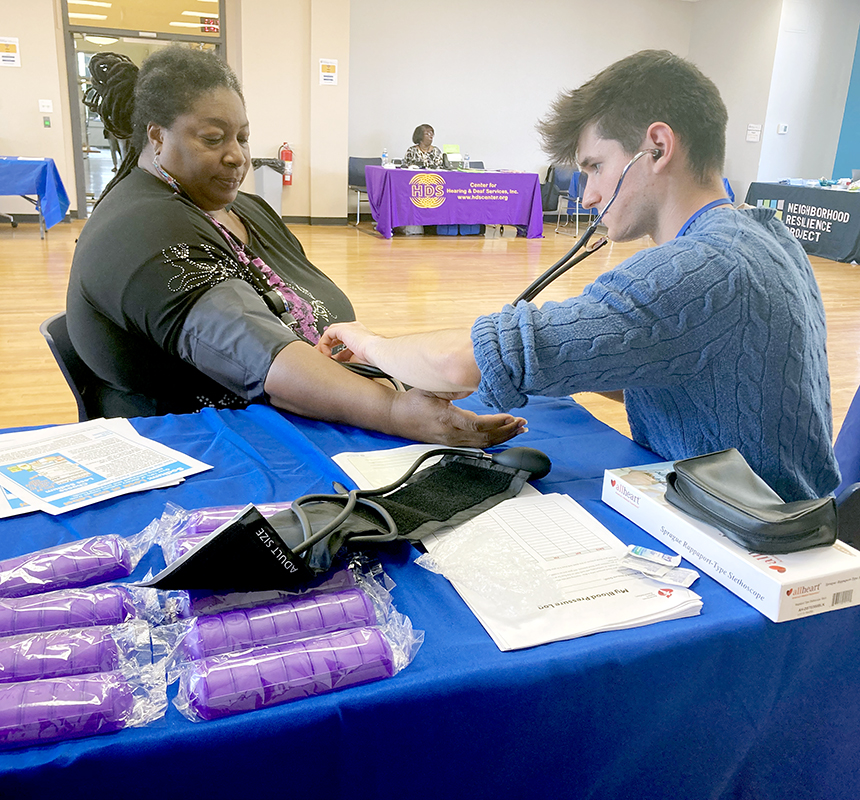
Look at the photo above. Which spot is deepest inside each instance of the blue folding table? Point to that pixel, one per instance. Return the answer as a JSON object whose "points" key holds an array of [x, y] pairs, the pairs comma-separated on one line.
{"points": [[38, 181], [722, 705]]}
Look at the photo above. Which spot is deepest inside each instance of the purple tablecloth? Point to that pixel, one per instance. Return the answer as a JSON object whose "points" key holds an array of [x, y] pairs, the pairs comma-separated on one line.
{"points": [[39, 176], [408, 197]]}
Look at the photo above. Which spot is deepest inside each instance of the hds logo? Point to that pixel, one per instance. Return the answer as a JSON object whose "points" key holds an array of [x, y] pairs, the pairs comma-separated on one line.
{"points": [[427, 190]]}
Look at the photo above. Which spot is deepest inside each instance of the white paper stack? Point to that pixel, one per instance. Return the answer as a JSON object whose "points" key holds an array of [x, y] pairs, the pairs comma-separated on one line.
{"points": [[65, 467], [584, 589]]}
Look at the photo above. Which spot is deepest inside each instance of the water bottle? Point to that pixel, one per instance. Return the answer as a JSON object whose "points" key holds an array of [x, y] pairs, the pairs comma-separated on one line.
{"points": [[466, 161], [384, 156]]}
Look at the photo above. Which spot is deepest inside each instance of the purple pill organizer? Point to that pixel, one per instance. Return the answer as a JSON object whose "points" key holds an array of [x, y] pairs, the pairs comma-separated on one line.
{"points": [[78, 608], [298, 617], [273, 674], [75, 651], [79, 563], [54, 709]]}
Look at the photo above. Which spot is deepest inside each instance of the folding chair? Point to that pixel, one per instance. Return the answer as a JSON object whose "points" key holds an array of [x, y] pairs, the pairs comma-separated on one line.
{"points": [[847, 449], [573, 197], [357, 181], [82, 381]]}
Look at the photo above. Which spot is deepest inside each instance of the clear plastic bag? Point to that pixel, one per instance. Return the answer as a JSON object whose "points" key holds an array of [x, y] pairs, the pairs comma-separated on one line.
{"points": [[109, 604], [55, 709], [81, 563], [259, 677], [484, 559], [180, 530], [296, 618], [75, 651]]}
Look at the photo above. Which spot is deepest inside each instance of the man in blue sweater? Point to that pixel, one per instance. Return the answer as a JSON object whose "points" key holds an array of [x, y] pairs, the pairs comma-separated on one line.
{"points": [[717, 335]]}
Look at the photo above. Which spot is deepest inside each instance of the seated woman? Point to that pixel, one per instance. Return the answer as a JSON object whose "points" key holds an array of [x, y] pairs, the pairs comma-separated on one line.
{"points": [[185, 292], [423, 154]]}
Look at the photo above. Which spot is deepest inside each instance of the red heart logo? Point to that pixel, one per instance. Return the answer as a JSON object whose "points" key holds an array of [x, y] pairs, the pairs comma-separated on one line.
{"points": [[789, 591], [612, 481], [665, 592], [776, 568]]}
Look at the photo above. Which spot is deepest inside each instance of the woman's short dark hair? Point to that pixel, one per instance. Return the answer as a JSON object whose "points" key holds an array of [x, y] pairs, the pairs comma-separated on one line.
{"points": [[626, 97], [418, 133], [166, 85]]}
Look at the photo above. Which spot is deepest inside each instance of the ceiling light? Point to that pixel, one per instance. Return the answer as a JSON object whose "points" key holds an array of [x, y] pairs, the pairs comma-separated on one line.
{"points": [[75, 15], [89, 3], [101, 39], [207, 14]]}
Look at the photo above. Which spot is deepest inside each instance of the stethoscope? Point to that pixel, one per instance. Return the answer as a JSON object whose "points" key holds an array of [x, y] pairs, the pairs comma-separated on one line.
{"points": [[568, 261]]}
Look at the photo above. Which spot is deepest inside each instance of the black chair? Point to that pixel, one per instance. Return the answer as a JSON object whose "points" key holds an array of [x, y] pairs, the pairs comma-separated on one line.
{"points": [[847, 449], [357, 181], [574, 207], [82, 381]]}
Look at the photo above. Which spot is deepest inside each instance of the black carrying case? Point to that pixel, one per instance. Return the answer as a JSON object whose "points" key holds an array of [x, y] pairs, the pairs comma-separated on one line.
{"points": [[722, 490]]}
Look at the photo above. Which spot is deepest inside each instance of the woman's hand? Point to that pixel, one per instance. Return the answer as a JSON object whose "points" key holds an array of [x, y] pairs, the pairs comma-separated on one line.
{"points": [[433, 418], [302, 381]]}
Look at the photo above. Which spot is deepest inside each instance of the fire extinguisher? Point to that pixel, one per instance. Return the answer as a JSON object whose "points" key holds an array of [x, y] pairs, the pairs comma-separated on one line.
{"points": [[286, 155]]}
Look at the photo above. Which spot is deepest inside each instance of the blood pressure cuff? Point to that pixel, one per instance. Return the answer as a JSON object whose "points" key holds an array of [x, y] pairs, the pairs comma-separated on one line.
{"points": [[252, 553], [445, 494], [722, 490]]}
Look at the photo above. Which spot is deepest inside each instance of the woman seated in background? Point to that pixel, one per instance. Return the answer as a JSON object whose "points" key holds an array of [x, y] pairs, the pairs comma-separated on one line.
{"points": [[423, 154], [186, 293]]}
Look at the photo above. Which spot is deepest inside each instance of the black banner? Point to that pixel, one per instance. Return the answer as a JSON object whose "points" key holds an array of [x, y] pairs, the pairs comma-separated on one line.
{"points": [[826, 222]]}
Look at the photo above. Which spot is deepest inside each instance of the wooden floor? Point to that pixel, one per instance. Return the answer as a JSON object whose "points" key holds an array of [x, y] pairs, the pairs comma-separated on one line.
{"points": [[399, 285]]}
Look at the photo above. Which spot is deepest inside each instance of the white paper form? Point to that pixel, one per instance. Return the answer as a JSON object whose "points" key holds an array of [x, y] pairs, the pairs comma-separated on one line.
{"points": [[374, 468], [578, 554], [70, 466]]}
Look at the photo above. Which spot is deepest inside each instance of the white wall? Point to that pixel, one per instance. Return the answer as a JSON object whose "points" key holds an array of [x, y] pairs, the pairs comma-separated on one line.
{"points": [[811, 73], [482, 72], [739, 59]]}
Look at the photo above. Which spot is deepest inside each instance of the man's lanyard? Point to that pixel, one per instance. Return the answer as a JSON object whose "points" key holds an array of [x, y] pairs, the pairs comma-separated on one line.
{"points": [[707, 207]]}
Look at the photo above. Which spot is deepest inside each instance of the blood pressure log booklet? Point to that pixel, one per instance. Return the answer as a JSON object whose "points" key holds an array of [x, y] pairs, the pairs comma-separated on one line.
{"points": [[540, 568]]}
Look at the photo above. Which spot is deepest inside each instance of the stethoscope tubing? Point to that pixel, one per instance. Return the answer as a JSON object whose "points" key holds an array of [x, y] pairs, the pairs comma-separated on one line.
{"points": [[360, 496], [567, 261]]}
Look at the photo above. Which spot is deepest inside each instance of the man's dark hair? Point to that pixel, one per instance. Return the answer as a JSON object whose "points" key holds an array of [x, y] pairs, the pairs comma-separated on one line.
{"points": [[418, 133], [166, 85], [624, 99]]}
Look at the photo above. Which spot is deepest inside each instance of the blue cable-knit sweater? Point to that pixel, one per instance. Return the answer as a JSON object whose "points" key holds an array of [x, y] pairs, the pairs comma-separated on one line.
{"points": [[717, 337]]}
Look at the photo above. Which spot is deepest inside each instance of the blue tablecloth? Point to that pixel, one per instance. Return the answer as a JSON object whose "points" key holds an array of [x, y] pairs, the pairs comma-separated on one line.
{"points": [[723, 705], [39, 176]]}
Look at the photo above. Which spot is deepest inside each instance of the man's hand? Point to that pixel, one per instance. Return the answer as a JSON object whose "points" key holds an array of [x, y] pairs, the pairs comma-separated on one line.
{"points": [[428, 417], [352, 337], [438, 361]]}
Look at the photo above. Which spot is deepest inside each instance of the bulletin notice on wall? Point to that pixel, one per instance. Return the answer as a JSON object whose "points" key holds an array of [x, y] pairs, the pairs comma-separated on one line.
{"points": [[10, 53]]}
